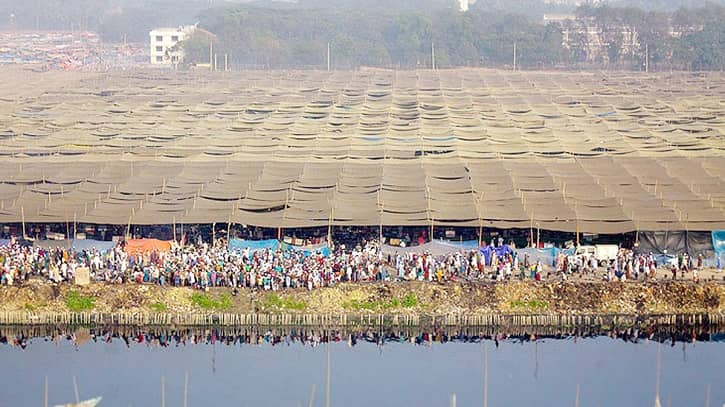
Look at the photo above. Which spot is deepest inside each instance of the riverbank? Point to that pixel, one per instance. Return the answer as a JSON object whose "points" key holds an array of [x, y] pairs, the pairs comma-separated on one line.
{"points": [[402, 299]]}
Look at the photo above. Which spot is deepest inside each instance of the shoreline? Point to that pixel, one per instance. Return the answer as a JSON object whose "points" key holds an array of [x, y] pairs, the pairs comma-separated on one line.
{"points": [[395, 304]]}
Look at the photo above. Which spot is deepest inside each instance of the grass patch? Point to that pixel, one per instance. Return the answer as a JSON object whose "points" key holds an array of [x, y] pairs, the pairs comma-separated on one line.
{"points": [[76, 302], [29, 307], [158, 307], [409, 301], [533, 304], [275, 301], [204, 301]]}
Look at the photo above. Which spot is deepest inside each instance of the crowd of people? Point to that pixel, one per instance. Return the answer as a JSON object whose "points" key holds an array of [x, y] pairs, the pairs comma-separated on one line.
{"points": [[214, 265], [204, 265], [628, 265]]}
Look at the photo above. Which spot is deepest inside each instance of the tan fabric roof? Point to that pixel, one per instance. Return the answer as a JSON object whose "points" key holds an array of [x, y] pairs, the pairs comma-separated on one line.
{"points": [[598, 152]]}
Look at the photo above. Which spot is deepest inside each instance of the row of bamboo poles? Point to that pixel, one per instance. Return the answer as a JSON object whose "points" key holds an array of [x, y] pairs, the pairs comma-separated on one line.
{"points": [[257, 331], [293, 319]]}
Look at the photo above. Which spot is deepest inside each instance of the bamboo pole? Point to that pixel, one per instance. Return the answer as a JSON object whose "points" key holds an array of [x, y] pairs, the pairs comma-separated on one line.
{"points": [[213, 233], [312, 395], [174, 227], [75, 390], [75, 225], [636, 236], [22, 214], [327, 384], [531, 231], [329, 225], [485, 375], [128, 229], [186, 389]]}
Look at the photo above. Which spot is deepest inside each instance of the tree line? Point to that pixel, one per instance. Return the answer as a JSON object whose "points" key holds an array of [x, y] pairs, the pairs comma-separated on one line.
{"points": [[292, 36], [402, 33]]}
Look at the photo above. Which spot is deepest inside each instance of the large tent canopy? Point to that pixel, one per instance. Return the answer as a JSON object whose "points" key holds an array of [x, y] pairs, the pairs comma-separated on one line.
{"points": [[604, 152]]}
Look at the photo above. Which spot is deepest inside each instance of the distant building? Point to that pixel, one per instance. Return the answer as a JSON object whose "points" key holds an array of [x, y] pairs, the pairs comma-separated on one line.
{"points": [[558, 18], [595, 42], [164, 41], [464, 5]]}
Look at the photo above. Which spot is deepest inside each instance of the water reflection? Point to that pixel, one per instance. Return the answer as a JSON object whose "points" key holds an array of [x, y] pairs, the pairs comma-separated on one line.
{"points": [[22, 337]]}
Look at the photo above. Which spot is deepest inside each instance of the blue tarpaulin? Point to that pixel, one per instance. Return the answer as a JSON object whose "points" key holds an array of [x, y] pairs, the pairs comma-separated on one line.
{"points": [[718, 246], [323, 249], [489, 251], [546, 256], [77, 244], [273, 245], [436, 247], [4, 242], [88, 244], [253, 245], [462, 244], [718, 242]]}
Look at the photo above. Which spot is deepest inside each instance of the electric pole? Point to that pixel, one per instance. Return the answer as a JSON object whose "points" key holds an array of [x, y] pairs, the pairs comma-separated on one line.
{"points": [[646, 57], [433, 55]]}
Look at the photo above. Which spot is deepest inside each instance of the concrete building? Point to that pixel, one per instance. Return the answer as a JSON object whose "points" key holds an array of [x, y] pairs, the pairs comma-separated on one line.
{"points": [[164, 50], [464, 5]]}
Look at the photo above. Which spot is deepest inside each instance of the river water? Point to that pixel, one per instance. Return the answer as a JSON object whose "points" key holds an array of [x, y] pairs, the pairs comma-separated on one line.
{"points": [[408, 369]]}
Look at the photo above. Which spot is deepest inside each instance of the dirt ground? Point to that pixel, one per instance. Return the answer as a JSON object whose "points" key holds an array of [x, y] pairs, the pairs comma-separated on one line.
{"points": [[570, 297]]}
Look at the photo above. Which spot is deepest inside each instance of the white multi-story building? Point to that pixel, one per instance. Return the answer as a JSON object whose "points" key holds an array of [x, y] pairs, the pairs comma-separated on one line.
{"points": [[163, 44], [464, 5]]}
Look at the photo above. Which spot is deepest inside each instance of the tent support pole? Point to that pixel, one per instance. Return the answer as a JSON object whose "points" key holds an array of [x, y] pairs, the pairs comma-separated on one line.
{"points": [[480, 233], [75, 226], [213, 233], [173, 228], [22, 213], [531, 232], [636, 237], [577, 233], [229, 230], [279, 233], [329, 226], [128, 229], [538, 235]]}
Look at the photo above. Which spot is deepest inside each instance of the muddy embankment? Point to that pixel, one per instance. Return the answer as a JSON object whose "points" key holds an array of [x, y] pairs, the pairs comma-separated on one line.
{"points": [[413, 298]]}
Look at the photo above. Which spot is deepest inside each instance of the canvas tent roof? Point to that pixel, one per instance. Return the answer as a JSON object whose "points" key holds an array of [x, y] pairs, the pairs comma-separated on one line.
{"points": [[595, 152]]}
